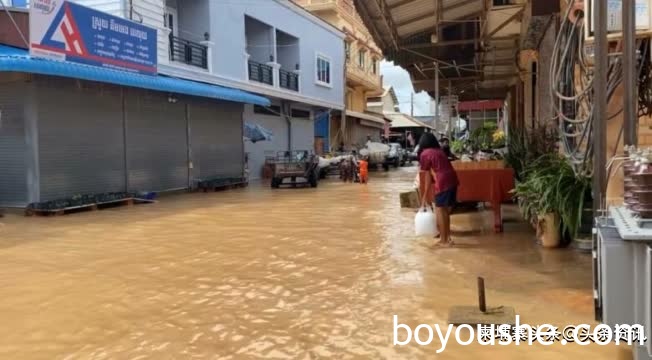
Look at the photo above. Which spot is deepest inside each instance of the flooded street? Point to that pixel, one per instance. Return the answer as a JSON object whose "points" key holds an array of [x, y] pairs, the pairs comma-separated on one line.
{"points": [[255, 273]]}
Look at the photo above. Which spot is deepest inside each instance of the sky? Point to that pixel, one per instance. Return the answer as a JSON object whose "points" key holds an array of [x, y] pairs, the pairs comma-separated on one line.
{"points": [[400, 79]]}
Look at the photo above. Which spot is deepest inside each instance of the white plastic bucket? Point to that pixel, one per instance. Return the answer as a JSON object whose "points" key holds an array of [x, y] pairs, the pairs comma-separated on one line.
{"points": [[425, 222]]}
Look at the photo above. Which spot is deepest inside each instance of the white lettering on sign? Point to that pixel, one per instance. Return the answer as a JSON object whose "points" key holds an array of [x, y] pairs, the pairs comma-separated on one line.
{"points": [[123, 29], [142, 35], [99, 24]]}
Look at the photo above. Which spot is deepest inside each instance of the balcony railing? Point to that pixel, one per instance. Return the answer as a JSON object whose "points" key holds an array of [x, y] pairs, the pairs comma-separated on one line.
{"points": [[261, 73], [188, 52], [289, 80]]}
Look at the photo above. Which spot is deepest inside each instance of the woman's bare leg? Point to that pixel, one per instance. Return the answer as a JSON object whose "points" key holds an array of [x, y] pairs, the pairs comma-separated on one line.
{"points": [[445, 225], [441, 225], [447, 222]]}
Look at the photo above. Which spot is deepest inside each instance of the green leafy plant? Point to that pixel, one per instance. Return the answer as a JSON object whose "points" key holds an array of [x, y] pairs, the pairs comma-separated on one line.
{"points": [[458, 146], [482, 138], [524, 147], [551, 186]]}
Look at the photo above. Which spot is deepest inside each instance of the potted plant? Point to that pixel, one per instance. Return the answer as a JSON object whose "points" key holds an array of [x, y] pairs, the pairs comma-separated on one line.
{"points": [[573, 198], [552, 197], [537, 199]]}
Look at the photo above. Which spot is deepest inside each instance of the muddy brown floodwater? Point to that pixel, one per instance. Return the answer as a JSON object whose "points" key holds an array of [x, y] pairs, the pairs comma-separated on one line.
{"points": [[255, 273]]}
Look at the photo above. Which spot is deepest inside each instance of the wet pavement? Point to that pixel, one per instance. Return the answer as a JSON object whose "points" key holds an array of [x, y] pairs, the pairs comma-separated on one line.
{"points": [[255, 273]]}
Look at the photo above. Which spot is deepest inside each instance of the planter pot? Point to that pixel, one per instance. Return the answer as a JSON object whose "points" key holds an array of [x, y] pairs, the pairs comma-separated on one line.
{"points": [[548, 230], [583, 244]]}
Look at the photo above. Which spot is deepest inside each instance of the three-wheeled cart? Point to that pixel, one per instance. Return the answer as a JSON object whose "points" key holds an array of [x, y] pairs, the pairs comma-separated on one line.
{"points": [[295, 165]]}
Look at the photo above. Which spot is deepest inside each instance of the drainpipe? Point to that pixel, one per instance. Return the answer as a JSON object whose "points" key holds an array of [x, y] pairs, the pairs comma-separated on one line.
{"points": [[285, 109]]}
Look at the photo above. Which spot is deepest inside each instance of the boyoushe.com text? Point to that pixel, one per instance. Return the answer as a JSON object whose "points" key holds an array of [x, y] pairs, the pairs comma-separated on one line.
{"points": [[492, 335]]}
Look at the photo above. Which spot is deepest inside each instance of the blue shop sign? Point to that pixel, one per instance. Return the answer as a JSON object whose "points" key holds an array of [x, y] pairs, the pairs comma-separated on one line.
{"points": [[67, 31]]}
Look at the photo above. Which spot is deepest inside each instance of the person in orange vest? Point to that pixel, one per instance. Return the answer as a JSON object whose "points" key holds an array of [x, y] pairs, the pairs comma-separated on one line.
{"points": [[363, 165]]}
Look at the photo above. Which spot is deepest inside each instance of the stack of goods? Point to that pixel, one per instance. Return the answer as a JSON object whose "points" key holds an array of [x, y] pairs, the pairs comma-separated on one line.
{"points": [[638, 182], [377, 152]]}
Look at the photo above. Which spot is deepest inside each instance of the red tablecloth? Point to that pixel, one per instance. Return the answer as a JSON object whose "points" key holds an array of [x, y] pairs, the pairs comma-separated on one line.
{"points": [[482, 185], [486, 185]]}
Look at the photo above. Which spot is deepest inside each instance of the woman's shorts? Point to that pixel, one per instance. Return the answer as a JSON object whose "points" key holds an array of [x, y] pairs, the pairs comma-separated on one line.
{"points": [[447, 198]]}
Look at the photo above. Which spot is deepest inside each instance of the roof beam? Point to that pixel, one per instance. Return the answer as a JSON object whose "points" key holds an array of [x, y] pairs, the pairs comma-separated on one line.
{"points": [[371, 22], [452, 43], [440, 12], [459, 4], [506, 22], [399, 4], [413, 20], [504, 76]]}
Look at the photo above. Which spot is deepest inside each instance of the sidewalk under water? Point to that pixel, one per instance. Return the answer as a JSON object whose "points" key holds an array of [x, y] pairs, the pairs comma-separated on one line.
{"points": [[256, 273]]}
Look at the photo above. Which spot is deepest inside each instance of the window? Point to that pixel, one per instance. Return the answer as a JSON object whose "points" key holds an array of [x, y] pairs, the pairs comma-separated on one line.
{"points": [[347, 50], [374, 66], [323, 70], [361, 58], [304, 114], [273, 110]]}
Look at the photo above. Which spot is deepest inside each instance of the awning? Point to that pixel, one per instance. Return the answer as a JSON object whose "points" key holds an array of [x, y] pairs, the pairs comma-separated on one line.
{"points": [[18, 60], [400, 120], [480, 105], [365, 116]]}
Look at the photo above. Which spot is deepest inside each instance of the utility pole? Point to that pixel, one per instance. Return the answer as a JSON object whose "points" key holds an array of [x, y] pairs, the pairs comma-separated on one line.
{"points": [[630, 106], [437, 119], [600, 107], [412, 104], [450, 112]]}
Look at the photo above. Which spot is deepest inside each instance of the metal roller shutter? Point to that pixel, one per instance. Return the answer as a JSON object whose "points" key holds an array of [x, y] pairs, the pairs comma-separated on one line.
{"points": [[303, 134], [81, 147], [157, 145], [216, 139], [13, 176]]}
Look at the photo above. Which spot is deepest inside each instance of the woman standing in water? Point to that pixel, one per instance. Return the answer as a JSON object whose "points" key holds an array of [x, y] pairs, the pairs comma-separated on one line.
{"points": [[435, 166]]}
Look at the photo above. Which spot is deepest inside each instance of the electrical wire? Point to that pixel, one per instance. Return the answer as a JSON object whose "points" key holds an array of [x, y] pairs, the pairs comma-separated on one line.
{"points": [[572, 87]]}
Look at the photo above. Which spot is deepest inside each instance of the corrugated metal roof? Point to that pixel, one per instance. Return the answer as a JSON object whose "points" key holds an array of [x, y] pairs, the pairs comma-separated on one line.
{"points": [[400, 120], [365, 116], [14, 59]]}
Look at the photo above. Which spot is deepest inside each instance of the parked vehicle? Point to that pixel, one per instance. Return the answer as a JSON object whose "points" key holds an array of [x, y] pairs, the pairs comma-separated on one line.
{"points": [[295, 165], [378, 154], [397, 156]]}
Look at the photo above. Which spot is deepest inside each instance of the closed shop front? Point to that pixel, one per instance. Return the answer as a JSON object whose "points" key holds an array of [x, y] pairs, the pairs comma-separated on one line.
{"points": [[80, 137], [63, 135], [157, 142], [13, 143], [216, 139], [361, 129], [303, 130]]}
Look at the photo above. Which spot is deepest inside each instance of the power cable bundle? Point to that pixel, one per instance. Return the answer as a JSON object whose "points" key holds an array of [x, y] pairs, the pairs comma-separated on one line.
{"points": [[571, 81]]}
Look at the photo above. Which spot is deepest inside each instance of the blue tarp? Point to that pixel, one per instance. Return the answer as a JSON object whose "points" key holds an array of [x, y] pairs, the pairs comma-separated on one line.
{"points": [[18, 60], [255, 133]]}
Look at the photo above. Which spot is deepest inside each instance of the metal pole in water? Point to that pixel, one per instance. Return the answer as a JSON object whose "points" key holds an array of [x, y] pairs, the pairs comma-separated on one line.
{"points": [[481, 297]]}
